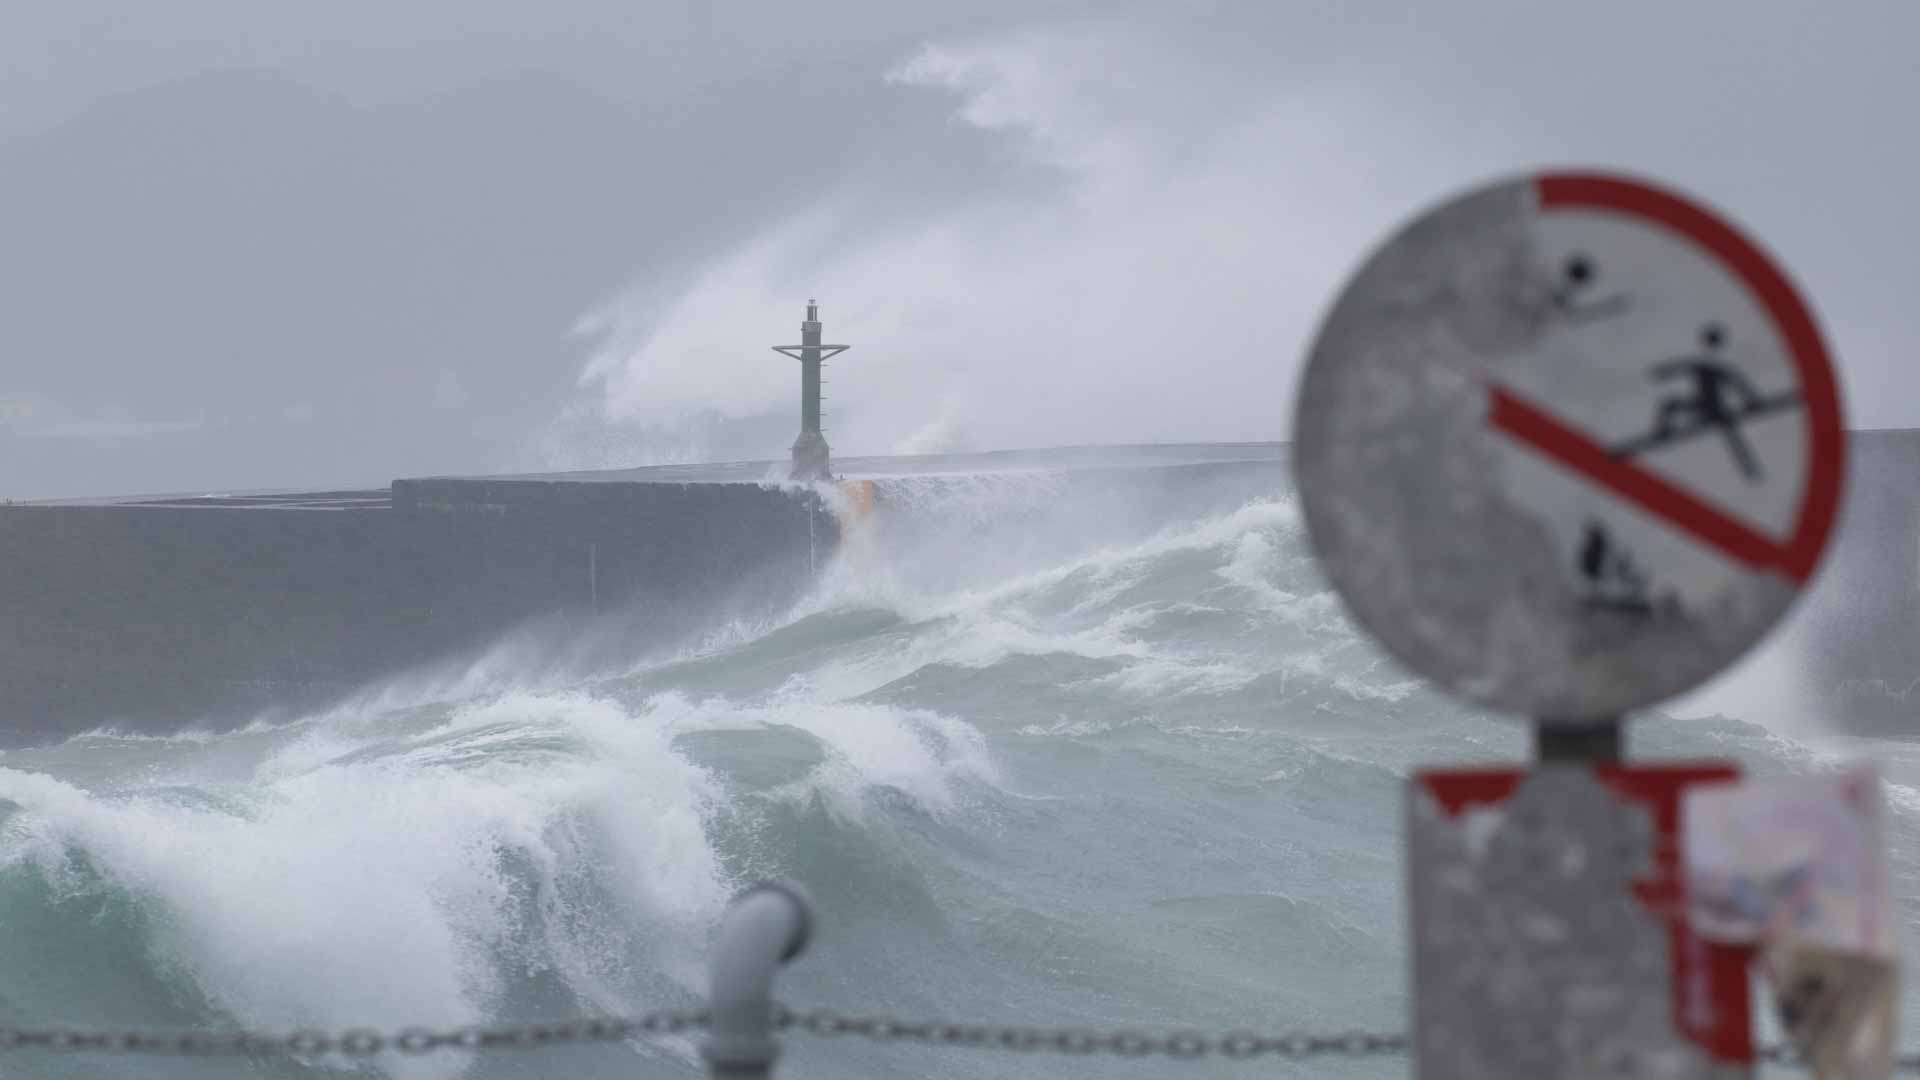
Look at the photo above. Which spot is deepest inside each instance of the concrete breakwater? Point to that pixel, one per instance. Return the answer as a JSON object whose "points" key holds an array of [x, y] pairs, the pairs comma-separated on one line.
{"points": [[149, 614], [156, 613], [1859, 637]]}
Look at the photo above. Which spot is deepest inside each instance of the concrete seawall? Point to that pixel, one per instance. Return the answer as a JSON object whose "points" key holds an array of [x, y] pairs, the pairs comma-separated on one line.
{"points": [[1860, 632], [156, 613], [153, 613]]}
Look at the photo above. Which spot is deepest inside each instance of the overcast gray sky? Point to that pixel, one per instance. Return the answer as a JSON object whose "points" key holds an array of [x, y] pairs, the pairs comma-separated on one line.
{"points": [[248, 245]]}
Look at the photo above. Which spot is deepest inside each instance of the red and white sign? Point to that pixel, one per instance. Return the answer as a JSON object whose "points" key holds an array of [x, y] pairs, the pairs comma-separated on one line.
{"points": [[1715, 435], [1568, 444]]}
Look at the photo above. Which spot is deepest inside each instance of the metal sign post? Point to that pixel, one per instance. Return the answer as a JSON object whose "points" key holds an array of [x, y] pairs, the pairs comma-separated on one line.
{"points": [[1549, 928], [1568, 445]]}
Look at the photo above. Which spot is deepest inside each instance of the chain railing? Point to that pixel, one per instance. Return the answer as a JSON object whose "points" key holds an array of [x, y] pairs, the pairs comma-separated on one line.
{"points": [[1236, 1045], [355, 1042], [1184, 1045], [766, 927], [366, 1042], [1077, 1042]]}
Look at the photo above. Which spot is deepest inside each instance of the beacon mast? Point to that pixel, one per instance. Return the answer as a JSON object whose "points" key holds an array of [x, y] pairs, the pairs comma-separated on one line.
{"points": [[810, 453]]}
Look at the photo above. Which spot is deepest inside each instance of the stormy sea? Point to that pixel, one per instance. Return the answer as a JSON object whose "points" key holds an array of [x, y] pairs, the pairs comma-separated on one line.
{"points": [[1044, 752]]}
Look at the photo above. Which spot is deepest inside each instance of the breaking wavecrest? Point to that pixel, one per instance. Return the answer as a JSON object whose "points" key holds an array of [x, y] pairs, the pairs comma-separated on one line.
{"points": [[1087, 757]]}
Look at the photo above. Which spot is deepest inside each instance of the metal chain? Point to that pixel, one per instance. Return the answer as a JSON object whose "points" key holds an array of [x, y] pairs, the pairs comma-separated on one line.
{"points": [[1238, 1045], [357, 1042], [364, 1042]]}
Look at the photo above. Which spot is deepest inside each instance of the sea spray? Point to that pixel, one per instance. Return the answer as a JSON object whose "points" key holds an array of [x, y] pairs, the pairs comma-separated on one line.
{"points": [[1106, 758]]}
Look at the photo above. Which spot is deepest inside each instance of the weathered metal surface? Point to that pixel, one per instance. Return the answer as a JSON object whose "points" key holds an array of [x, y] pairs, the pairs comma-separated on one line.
{"points": [[1548, 937]]}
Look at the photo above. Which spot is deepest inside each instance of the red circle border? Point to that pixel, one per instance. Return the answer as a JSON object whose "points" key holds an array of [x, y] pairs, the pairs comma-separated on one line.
{"points": [[1819, 388]]}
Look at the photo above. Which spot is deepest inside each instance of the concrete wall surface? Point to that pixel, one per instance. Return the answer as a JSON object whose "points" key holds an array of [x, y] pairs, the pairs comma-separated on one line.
{"points": [[155, 614], [151, 615], [1860, 632]]}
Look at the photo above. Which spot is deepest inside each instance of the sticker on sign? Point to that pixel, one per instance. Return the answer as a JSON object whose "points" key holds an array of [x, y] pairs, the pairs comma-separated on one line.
{"points": [[1569, 444]]}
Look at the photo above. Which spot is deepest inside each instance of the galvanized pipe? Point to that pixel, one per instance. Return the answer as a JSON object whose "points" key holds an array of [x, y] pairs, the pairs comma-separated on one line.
{"points": [[767, 926]]}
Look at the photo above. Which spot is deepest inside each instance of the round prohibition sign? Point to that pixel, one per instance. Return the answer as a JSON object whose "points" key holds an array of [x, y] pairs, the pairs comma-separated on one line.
{"points": [[1569, 444]]}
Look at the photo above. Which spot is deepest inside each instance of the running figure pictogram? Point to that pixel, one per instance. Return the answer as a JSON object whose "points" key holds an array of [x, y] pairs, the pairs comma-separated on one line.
{"points": [[1715, 396]]}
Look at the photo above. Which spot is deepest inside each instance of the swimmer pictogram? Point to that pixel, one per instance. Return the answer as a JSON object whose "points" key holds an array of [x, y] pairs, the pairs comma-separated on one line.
{"points": [[1573, 294]]}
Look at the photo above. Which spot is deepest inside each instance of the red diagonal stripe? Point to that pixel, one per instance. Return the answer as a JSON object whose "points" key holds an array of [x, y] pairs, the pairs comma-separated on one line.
{"points": [[1827, 442], [1677, 507]]}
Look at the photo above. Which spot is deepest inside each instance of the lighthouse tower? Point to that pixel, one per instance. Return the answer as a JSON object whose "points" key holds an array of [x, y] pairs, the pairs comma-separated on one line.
{"points": [[810, 455]]}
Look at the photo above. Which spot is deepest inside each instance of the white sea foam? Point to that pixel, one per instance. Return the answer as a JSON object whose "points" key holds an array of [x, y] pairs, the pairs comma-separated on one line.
{"points": [[350, 888], [922, 753], [980, 627], [1162, 678]]}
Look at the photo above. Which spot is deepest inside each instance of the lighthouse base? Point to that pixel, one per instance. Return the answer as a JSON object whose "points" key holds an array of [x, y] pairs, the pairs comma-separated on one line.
{"points": [[810, 458]]}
